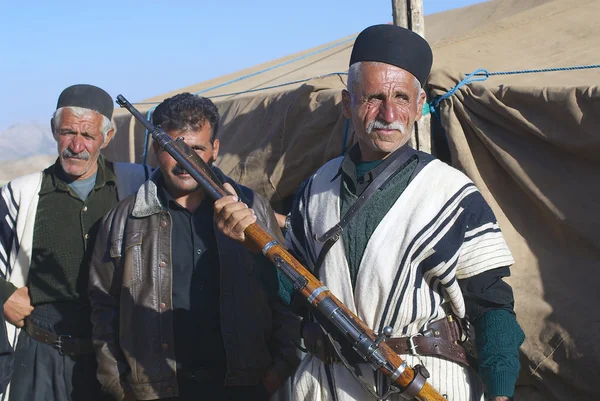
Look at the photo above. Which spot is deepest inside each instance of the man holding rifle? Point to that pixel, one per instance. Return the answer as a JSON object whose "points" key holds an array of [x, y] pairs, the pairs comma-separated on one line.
{"points": [[179, 309], [404, 240]]}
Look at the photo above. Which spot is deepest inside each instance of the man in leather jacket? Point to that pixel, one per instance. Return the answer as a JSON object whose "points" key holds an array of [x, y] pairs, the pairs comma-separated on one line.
{"points": [[179, 309]]}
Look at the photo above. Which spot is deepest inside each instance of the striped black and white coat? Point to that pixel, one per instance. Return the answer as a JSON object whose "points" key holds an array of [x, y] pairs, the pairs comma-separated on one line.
{"points": [[440, 230]]}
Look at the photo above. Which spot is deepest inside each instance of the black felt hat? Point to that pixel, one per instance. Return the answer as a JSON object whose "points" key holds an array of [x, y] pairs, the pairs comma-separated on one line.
{"points": [[394, 45], [88, 97]]}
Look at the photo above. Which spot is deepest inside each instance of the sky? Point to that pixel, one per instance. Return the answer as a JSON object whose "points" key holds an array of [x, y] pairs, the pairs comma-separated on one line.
{"points": [[146, 48]]}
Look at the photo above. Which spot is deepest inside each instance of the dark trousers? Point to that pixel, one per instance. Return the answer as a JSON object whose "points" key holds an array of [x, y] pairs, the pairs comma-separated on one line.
{"points": [[41, 373], [194, 391]]}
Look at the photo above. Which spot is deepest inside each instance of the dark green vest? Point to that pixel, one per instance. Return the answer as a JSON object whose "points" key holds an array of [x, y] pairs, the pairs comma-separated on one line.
{"points": [[64, 234]]}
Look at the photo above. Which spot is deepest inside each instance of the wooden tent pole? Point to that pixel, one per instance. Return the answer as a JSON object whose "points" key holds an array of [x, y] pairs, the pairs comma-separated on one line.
{"points": [[409, 14]]}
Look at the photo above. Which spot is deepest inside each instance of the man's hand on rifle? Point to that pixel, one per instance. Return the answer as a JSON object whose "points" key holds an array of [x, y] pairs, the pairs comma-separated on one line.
{"points": [[232, 216], [17, 307]]}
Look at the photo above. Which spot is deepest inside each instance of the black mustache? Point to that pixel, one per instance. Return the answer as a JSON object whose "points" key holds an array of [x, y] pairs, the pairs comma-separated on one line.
{"points": [[178, 170]]}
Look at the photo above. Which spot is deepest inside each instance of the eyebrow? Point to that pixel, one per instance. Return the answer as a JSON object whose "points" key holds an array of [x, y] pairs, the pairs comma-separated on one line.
{"points": [[383, 96], [72, 131]]}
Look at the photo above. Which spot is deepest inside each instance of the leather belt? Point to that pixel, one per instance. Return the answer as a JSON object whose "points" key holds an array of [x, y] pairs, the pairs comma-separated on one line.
{"points": [[443, 338], [64, 344]]}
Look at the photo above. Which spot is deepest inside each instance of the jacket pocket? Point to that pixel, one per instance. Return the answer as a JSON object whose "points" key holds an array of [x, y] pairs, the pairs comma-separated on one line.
{"points": [[132, 257]]}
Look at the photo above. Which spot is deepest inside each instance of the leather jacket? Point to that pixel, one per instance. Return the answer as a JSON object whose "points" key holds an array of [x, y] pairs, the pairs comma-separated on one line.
{"points": [[130, 292]]}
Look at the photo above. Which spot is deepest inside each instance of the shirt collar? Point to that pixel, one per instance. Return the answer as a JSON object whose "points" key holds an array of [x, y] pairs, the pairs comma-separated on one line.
{"points": [[168, 202], [56, 178], [348, 167], [166, 199]]}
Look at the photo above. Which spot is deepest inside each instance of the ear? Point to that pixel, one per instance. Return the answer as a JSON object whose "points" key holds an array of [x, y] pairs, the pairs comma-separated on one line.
{"points": [[420, 103], [346, 99], [52, 127], [109, 136], [216, 145]]}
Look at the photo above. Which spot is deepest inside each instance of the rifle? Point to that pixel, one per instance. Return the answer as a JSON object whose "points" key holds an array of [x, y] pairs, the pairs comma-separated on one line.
{"points": [[409, 382]]}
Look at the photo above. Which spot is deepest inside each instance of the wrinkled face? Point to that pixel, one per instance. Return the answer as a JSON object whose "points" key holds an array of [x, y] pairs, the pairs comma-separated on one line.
{"points": [[79, 141], [383, 106], [178, 182]]}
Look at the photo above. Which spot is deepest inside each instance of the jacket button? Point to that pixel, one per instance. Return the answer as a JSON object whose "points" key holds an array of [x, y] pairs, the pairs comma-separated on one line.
{"points": [[84, 209], [163, 223], [162, 306], [162, 264]]}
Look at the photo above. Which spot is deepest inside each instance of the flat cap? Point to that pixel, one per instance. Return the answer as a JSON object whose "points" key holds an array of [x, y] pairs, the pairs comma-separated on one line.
{"points": [[394, 45], [88, 97]]}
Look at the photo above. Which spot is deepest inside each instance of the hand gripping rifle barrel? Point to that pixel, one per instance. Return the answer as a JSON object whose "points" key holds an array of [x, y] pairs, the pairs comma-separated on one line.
{"points": [[371, 347]]}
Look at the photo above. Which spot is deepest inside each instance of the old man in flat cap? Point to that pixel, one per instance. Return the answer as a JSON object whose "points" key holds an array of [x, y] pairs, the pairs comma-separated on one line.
{"points": [[418, 251], [48, 224]]}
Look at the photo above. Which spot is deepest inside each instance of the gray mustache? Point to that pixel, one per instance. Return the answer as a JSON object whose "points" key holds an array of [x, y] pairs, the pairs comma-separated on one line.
{"points": [[69, 154], [378, 124]]}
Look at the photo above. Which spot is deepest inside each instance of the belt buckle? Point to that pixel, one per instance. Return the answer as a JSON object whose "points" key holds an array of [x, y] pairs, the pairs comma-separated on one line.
{"points": [[58, 344], [413, 346]]}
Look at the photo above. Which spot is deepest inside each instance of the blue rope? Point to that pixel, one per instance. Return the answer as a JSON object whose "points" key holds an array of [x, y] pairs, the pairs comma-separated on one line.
{"points": [[477, 75], [577, 67], [263, 88], [251, 75], [276, 66], [431, 107], [345, 136], [146, 135], [482, 74]]}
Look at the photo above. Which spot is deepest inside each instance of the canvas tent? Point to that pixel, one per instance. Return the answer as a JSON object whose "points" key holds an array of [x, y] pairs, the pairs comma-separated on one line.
{"points": [[530, 142]]}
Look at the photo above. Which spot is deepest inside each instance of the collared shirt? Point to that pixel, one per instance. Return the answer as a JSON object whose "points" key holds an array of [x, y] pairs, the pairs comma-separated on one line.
{"points": [[357, 175], [196, 285]]}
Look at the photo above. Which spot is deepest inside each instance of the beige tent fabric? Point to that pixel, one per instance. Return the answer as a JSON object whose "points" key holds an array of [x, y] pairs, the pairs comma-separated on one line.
{"points": [[271, 143], [535, 155]]}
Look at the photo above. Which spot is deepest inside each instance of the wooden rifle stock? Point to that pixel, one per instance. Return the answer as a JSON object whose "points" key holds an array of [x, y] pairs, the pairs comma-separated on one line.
{"points": [[371, 347]]}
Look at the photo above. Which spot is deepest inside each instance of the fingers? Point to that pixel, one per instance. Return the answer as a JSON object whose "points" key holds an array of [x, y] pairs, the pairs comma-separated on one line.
{"points": [[229, 188], [14, 317], [226, 200], [242, 221], [232, 217]]}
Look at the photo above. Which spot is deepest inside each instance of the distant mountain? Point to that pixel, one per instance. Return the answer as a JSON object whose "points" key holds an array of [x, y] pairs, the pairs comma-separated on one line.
{"points": [[10, 169], [25, 140]]}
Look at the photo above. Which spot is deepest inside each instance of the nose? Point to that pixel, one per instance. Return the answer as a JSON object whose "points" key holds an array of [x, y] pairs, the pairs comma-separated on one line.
{"points": [[77, 144], [387, 112]]}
